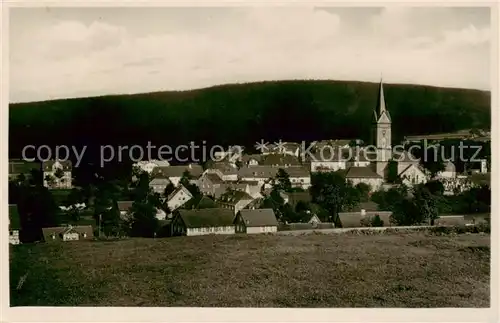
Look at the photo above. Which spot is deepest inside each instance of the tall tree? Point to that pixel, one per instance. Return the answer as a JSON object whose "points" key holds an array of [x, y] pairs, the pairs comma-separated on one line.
{"points": [[282, 181], [146, 202]]}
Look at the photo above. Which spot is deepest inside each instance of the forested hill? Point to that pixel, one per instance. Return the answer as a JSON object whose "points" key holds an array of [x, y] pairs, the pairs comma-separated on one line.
{"points": [[245, 113]]}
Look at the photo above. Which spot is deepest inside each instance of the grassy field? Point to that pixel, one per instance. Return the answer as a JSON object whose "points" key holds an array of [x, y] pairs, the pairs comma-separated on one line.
{"points": [[341, 270]]}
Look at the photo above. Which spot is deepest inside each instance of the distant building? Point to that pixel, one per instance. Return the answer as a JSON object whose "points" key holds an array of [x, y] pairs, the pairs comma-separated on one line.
{"points": [[365, 175], [234, 200], [175, 173], [57, 174], [256, 221], [178, 198], [203, 222], [327, 160], [68, 233], [149, 165], [159, 183], [14, 225]]}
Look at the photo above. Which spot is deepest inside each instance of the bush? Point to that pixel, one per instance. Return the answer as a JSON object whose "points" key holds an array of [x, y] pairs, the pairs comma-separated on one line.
{"points": [[377, 222]]}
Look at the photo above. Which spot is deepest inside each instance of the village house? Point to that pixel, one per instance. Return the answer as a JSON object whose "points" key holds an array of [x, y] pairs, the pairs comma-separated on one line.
{"points": [[226, 171], [149, 165], [284, 148], [18, 167], [299, 177], [68, 233], [57, 174], [327, 160], [14, 225], [178, 198], [413, 175], [280, 160], [211, 184], [365, 175], [256, 221], [260, 174], [234, 200], [159, 183], [175, 173], [203, 222], [124, 207]]}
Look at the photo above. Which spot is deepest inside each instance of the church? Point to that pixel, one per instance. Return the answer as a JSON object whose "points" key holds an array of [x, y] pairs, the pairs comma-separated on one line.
{"points": [[381, 157]]}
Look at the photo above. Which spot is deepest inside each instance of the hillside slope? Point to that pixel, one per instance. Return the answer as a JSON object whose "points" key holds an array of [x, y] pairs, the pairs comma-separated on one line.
{"points": [[245, 113]]}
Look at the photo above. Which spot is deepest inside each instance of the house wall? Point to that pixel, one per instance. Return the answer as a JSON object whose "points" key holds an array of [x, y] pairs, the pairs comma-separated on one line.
{"points": [[64, 182], [14, 237], [263, 229], [304, 182], [178, 200], [211, 230]]}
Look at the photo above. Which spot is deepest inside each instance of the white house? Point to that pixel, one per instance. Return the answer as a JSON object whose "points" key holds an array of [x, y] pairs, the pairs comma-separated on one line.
{"points": [[299, 177], [365, 175], [149, 165], [178, 198], [256, 221], [57, 174], [413, 175], [234, 200], [68, 233], [327, 160], [203, 222]]}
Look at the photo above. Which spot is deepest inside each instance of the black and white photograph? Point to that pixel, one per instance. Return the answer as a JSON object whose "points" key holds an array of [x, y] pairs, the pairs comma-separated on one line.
{"points": [[311, 156]]}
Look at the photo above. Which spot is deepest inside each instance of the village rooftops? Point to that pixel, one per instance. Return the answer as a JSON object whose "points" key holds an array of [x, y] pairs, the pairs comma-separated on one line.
{"points": [[212, 217], [223, 166], [257, 172], [194, 170], [280, 160], [258, 217], [214, 178], [234, 196], [361, 172]]}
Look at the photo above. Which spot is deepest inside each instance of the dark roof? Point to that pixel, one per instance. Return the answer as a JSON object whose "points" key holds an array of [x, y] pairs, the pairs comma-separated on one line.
{"points": [[214, 178], [205, 202], [224, 167], [14, 219], [80, 229], [259, 217], [279, 159], [23, 167], [213, 217], [297, 172], [66, 164], [234, 196], [361, 172], [124, 205], [177, 171], [258, 171]]}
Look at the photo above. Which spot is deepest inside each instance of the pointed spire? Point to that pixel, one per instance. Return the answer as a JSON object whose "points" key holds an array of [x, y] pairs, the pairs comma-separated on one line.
{"points": [[381, 100]]}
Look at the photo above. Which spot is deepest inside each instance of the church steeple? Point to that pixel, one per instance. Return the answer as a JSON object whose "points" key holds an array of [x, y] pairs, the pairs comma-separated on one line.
{"points": [[381, 114]]}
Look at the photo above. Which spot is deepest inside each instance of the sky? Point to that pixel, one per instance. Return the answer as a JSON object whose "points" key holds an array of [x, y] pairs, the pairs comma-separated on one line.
{"points": [[78, 52]]}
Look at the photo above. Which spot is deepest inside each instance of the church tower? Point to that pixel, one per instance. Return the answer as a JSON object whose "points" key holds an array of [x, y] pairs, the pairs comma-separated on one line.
{"points": [[382, 133]]}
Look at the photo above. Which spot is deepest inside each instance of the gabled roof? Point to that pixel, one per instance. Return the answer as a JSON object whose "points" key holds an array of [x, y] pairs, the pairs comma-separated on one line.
{"points": [[234, 196], [124, 206], [297, 172], [258, 217], [177, 190], [177, 171], [80, 229], [214, 178], [402, 173], [224, 167], [258, 171], [361, 172], [213, 217]]}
